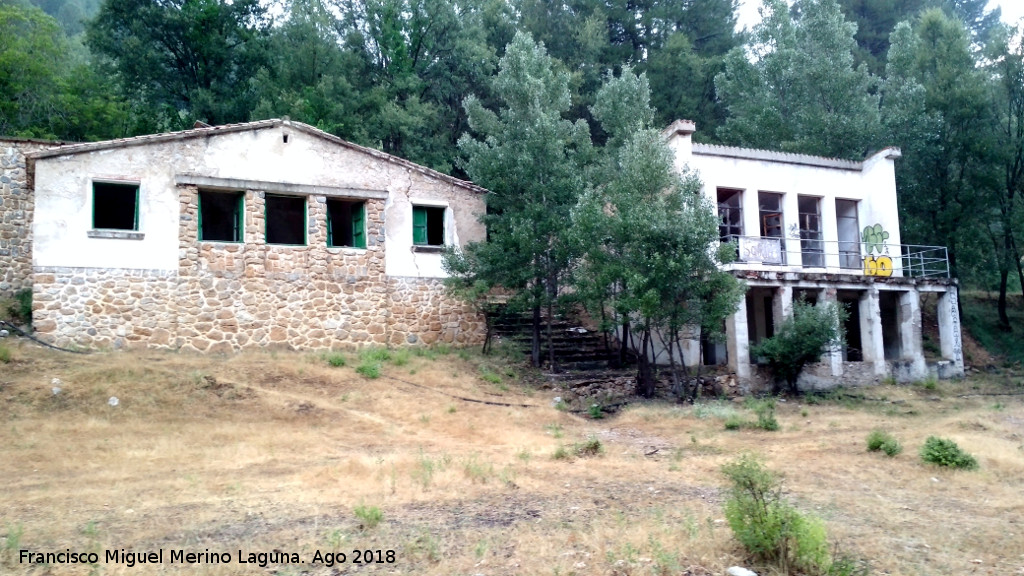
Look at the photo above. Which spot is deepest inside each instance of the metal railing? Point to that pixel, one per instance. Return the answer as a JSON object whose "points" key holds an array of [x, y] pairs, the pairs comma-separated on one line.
{"points": [[844, 257]]}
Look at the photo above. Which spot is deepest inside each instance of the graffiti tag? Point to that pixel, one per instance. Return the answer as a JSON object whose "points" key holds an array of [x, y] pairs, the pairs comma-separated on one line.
{"points": [[767, 250], [880, 266], [874, 238]]}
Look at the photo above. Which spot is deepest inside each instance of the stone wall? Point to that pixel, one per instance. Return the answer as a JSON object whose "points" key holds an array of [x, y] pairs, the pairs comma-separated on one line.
{"points": [[229, 296], [15, 216]]}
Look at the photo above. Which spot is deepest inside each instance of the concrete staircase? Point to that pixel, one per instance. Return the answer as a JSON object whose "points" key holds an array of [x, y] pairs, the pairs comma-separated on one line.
{"points": [[576, 347]]}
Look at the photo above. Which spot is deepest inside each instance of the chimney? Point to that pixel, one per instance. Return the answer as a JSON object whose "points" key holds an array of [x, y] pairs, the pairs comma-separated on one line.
{"points": [[679, 136]]}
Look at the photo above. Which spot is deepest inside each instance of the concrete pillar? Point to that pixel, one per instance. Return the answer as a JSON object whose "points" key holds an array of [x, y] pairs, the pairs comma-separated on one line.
{"points": [[782, 305], [834, 357], [871, 331], [737, 341], [949, 330], [910, 332]]}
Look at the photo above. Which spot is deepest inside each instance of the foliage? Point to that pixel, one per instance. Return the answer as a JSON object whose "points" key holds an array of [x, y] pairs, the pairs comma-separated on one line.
{"points": [[764, 409], [369, 368], [589, 447], [645, 234], [186, 59], [880, 440], [336, 359], [5, 354], [943, 452], [370, 516], [807, 333], [530, 158], [770, 528], [794, 85]]}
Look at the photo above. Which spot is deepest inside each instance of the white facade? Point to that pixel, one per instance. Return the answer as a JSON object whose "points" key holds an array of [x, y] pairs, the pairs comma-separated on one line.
{"points": [[824, 229]]}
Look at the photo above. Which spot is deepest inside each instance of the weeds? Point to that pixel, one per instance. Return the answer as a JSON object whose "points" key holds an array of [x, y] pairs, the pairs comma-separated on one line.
{"points": [[943, 452], [12, 542], [555, 430], [368, 369], [5, 354], [560, 453], [880, 440], [768, 526], [370, 516], [589, 447], [765, 411], [336, 359], [478, 471], [595, 411]]}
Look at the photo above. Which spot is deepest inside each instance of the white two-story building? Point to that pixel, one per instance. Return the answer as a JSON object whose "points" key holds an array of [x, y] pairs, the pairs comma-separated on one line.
{"points": [[826, 229]]}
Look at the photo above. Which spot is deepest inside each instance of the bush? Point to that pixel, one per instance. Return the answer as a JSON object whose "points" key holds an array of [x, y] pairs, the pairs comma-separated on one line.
{"points": [[880, 440], [336, 359], [802, 338], [942, 452], [369, 515], [5, 354], [768, 526], [369, 369], [765, 411]]}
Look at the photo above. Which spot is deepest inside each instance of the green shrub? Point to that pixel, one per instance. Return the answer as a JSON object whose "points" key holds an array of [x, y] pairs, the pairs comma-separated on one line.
{"points": [[369, 369], [375, 354], [336, 359], [768, 526], [560, 453], [590, 447], [401, 357], [765, 411], [802, 338], [5, 354], [733, 422], [595, 411], [880, 440], [369, 515], [942, 452]]}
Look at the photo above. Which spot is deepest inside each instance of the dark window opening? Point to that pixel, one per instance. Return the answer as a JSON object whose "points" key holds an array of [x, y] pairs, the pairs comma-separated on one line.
{"points": [[812, 247], [730, 214], [712, 350], [760, 316], [220, 216], [849, 234], [853, 350], [808, 295], [115, 206], [770, 206], [286, 220], [346, 224], [427, 226], [889, 309]]}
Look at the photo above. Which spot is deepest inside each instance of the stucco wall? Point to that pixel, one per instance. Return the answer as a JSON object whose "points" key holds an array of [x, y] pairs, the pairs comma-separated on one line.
{"points": [[171, 290], [16, 212]]}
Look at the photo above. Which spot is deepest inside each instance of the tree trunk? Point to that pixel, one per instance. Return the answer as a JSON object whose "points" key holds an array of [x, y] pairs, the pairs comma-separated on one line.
{"points": [[677, 387], [624, 343], [645, 372], [535, 337], [1004, 320]]}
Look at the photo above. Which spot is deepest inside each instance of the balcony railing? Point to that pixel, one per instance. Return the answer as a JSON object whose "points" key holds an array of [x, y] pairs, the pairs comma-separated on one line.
{"points": [[845, 257]]}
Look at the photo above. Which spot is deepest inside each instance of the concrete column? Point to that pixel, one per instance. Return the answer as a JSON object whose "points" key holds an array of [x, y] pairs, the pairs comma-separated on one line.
{"points": [[871, 331], [737, 341], [782, 305], [910, 332], [834, 357], [949, 330]]}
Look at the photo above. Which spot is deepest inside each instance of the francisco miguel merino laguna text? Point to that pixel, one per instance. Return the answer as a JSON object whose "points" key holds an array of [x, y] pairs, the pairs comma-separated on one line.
{"points": [[130, 559]]}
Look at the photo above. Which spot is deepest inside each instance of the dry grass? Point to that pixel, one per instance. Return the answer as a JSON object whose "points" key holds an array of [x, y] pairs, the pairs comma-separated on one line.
{"points": [[276, 451]]}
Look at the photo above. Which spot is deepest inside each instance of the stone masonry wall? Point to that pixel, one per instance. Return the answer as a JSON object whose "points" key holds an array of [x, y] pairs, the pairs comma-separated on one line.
{"points": [[230, 296], [15, 216]]}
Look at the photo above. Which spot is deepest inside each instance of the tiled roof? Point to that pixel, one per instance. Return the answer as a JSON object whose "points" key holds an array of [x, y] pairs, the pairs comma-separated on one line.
{"points": [[243, 127]]}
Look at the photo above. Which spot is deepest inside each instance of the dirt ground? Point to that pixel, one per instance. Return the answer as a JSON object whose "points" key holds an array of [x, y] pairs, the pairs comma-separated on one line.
{"points": [[462, 465]]}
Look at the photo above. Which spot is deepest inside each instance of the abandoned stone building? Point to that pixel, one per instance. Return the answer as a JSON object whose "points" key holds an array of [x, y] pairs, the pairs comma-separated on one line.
{"points": [[274, 233], [824, 229], [222, 238]]}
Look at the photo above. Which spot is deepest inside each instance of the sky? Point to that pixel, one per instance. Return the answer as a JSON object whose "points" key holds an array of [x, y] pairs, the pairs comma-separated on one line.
{"points": [[1013, 10]]}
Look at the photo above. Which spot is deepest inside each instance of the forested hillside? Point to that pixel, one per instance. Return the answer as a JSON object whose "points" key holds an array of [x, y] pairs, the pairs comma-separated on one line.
{"points": [[942, 79]]}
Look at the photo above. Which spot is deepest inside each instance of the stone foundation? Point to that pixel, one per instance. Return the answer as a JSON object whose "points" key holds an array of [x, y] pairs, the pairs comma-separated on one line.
{"points": [[226, 297]]}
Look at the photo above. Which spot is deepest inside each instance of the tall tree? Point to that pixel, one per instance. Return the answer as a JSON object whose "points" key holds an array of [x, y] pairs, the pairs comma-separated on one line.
{"points": [[530, 157], [795, 87], [936, 105], [645, 235], [875, 20], [190, 59]]}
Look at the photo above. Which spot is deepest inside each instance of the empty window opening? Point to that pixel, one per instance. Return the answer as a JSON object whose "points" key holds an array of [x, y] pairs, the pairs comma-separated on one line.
{"points": [[346, 223], [427, 226], [931, 340], [812, 247], [115, 206], [848, 228], [760, 315], [808, 295], [889, 309], [220, 216], [286, 220], [730, 214], [770, 211], [713, 352], [853, 350]]}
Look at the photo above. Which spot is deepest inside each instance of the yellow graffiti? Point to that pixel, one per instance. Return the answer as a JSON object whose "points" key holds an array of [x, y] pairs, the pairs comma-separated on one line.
{"points": [[881, 266]]}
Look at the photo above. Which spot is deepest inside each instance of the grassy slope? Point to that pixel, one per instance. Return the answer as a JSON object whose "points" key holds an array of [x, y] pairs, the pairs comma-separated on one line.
{"points": [[981, 318], [277, 451]]}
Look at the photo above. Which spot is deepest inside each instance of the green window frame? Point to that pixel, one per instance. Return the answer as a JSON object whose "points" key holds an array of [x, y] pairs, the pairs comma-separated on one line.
{"points": [[428, 225], [221, 216], [346, 223], [115, 206], [284, 220]]}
